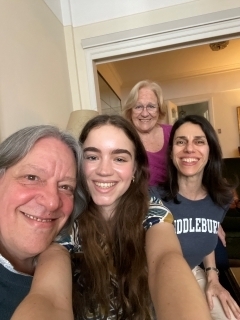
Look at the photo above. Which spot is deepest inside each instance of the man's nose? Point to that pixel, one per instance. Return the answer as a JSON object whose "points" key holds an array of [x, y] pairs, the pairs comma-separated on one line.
{"points": [[49, 197]]}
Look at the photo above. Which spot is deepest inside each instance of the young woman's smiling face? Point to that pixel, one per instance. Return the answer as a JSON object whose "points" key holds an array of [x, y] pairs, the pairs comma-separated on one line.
{"points": [[109, 164], [190, 151]]}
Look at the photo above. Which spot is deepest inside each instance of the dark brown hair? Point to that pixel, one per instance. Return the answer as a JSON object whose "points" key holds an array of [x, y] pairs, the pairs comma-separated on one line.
{"points": [[113, 276]]}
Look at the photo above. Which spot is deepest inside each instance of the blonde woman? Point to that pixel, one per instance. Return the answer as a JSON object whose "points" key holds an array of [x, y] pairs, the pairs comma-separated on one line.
{"points": [[144, 108]]}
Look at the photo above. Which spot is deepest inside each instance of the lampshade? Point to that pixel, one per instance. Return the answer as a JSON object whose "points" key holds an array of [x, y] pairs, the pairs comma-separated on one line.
{"points": [[78, 119]]}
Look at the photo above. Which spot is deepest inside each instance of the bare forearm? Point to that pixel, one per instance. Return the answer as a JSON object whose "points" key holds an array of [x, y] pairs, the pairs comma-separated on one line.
{"points": [[36, 306], [174, 290], [50, 296]]}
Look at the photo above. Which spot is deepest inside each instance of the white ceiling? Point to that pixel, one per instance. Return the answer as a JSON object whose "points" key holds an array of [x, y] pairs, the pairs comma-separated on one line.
{"points": [[175, 64]]}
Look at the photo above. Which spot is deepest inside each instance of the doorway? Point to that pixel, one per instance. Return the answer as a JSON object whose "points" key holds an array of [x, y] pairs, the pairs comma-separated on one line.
{"points": [[179, 108]]}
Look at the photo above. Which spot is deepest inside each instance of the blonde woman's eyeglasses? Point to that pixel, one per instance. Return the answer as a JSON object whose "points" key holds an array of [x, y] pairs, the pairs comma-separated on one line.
{"points": [[151, 108]]}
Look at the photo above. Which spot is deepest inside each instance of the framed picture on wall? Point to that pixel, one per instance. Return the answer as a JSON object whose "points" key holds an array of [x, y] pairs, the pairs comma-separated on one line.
{"points": [[238, 118], [172, 112]]}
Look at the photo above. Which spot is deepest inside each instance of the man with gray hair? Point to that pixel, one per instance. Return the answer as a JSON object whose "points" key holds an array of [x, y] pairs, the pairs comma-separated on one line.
{"points": [[41, 188]]}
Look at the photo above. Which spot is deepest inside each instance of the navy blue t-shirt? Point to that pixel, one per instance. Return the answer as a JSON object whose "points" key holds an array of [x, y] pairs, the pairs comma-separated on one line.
{"points": [[196, 224]]}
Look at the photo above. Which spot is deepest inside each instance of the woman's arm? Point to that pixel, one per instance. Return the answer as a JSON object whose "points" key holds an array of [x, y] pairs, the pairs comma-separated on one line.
{"points": [[214, 288], [50, 296], [222, 235], [174, 290]]}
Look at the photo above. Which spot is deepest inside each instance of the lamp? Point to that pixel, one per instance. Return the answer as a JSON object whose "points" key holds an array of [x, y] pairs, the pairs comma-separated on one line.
{"points": [[78, 119]]}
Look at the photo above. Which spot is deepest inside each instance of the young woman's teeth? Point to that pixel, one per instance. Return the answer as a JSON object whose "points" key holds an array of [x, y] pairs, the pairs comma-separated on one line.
{"points": [[104, 185], [189, 159]]}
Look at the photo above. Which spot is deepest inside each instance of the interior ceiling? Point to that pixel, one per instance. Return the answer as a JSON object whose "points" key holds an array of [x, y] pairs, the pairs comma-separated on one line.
{"points": [[180, 63]]}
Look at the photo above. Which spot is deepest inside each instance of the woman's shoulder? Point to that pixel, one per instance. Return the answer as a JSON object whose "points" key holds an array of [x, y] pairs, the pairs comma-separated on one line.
{"points": [[156, 192], [71, 241], [166, 127], [157, 212]]}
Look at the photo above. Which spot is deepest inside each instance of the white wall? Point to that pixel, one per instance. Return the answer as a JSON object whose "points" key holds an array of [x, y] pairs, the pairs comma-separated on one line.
{"points": [[34, 80], [70, 12]]}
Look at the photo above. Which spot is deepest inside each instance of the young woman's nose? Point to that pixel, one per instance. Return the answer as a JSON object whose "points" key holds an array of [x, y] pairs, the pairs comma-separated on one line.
{"points": [[105, 167]]}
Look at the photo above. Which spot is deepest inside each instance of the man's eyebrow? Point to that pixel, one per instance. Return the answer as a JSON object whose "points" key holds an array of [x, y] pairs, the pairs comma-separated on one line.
{"points": [[32, 166], [115, 151], [70, 179], [44, 171]]}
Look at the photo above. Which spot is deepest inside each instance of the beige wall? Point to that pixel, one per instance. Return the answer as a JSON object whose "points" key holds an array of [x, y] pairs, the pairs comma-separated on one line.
{"points": [[224, 91], [34, 80]]}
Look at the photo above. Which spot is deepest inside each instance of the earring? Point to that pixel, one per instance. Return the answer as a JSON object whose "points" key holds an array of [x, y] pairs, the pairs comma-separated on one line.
{"points": [[133, 179]]}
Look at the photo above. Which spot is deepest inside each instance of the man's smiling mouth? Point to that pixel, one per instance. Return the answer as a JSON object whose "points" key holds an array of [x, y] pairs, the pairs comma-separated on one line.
{"points": [[35, 218]]}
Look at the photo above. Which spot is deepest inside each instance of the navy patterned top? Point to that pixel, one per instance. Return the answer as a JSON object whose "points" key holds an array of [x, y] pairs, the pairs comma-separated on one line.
{"points": [[157, 213]]}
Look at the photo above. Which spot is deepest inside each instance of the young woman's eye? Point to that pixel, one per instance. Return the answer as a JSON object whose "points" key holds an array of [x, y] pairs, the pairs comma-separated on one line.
{"points": [[120, 160], [91, 158]]}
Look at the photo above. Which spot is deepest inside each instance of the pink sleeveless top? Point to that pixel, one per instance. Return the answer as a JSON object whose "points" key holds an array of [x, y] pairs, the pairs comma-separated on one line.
{"points": [[157, 160]]}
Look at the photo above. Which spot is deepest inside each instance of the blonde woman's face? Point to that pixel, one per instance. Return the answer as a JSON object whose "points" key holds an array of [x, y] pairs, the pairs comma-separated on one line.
{"points": [[145, 113]]}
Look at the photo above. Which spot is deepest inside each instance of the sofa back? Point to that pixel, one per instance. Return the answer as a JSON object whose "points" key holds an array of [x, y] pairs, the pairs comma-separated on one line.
{"points": [[231, 171]]}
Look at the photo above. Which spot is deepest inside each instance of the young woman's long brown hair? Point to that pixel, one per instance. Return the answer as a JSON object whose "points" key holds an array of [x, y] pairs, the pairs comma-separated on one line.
{"points": [[112, 272]]}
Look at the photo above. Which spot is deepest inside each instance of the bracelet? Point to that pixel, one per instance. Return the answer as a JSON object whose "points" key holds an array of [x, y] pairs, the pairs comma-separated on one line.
{"points": [[212, 268]]}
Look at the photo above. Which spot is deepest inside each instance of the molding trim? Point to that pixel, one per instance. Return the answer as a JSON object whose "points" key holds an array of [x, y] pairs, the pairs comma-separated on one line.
{"points": [[147, 32], [201, 72]]}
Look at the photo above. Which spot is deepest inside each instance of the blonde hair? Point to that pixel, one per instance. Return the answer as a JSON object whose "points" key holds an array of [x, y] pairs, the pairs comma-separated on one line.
{"points": [[133, 97]]}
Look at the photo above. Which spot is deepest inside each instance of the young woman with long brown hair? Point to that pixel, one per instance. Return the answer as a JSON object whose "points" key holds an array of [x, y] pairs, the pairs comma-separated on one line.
{"points": [[110, 276]]}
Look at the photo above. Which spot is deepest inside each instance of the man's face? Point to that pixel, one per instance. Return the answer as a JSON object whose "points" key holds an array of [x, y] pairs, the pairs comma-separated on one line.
{"points": [[36, 199]]}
